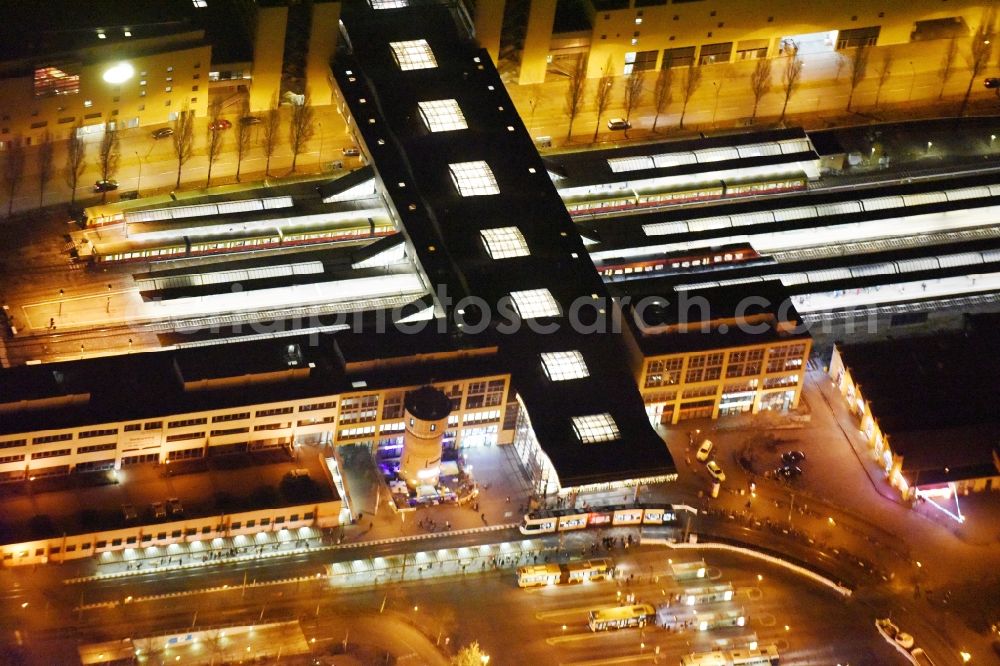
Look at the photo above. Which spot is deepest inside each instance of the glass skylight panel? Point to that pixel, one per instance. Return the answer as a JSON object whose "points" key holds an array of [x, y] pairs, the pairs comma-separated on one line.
{"points": [[504, 242], [667, 160], [473, 179], [414, 54], [620, 164], [388, 4], [596, 428], [564, 365], [534, 303], [442, 115]]}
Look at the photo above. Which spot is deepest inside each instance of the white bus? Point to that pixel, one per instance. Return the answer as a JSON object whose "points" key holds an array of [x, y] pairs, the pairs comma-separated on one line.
{"points": [[765, 656], [621, 617]]}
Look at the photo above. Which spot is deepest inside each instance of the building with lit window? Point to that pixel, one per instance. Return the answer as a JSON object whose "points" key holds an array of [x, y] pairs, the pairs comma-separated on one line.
{"points": [[141, 62], [922, 408], [543, 38], [722, 352], [143, 415]]}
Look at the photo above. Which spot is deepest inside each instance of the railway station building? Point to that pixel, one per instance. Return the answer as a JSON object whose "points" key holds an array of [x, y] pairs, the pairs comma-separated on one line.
{"points": [[920, 407]]}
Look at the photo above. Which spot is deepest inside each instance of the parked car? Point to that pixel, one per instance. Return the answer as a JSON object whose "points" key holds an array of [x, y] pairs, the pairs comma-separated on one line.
{"points": [[250, 120], [619, 124], [159, 511], [106, 186], [351, 152], [788, 472], [716, 471], [220, 124], [704, 450], [174, 506], [792, 457], [892, 633], [163, 133], [992, 83]]}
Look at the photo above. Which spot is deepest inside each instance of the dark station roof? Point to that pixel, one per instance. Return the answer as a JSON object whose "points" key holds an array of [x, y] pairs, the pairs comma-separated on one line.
{"points": [[444, 229], [930, 397]]}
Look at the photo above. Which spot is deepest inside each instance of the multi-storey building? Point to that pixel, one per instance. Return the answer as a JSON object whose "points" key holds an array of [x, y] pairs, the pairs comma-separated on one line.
{"points": [[542, 36], [140, 63], [726, 354]]}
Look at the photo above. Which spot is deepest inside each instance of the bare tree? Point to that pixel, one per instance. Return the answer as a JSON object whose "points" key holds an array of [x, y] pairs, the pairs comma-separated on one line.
{"points": [[576, 92], [760, 83], [301, 127], [602, 96], [858, 64], [45, 165], [884, 72], [215, 137], [947, 64], [108, 155], [689, 84], [662, 93], [979, 53], [244, 136], [634, 87], [790, 76], [183, 140], [269, 129], [76, 161], [13, 172]]}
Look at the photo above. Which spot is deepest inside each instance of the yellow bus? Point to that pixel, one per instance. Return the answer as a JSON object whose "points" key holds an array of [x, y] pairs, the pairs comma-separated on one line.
{"points": [[621, 617], [535, 575]]}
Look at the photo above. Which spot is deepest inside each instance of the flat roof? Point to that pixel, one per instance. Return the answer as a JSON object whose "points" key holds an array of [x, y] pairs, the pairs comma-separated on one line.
{"points": [[39, 31], [92, 501], [444, 228], [929, 394], [152, 385], [669, 322]]}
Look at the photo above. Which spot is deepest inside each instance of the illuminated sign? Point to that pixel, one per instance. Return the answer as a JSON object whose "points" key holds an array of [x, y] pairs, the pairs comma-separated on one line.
{"points": [[119, 73]]}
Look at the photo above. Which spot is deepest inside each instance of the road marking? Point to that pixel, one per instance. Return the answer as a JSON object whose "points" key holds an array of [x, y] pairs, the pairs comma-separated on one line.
{"points": [[545, 615], [572, 638], [766, 619], [625, 659]]}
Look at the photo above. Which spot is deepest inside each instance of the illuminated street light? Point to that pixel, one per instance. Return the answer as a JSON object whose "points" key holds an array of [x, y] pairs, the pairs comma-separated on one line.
{"points": [[966, 657], [119, 73]]}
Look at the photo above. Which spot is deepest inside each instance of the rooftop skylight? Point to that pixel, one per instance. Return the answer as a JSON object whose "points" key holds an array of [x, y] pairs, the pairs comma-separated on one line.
{"points": [[596, 428], [564, 365], [473, 179], [534, 303], [414, 54], [504, 242], [442, 115]]}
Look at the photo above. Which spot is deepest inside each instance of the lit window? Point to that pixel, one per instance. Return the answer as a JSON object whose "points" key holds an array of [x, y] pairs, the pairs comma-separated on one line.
{"points": [[442, 115], [169, 89], [504, 242], [199, 4], [142, 82], [560, 366], [534, 303], [416, 54], [596, 428], [473, 179], [101, 35], [87, 103], [128, 33], [388, 4]]}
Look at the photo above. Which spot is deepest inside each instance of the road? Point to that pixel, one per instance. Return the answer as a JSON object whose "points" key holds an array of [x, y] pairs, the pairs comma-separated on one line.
{"points": [[490, 608]]}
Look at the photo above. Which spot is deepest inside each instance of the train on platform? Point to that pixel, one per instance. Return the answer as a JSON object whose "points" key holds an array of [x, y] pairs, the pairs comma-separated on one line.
{"points": [[564, 520], [185, 247], [629, 200], [618, 268]]}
